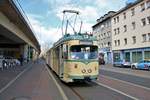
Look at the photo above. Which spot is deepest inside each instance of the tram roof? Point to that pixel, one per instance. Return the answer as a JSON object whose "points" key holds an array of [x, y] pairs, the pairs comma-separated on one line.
{"points": [[79, 36]]}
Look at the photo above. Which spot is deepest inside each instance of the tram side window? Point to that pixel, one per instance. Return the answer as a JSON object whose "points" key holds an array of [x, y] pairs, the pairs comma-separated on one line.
{"points": [[65, 51]]}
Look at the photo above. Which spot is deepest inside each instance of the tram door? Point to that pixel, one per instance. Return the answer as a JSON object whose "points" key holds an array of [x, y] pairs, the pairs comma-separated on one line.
{"points": [[61, 65]]}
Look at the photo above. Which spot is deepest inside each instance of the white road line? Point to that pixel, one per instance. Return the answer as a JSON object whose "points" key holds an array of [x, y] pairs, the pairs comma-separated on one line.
{"points": [[58, 86], [106, 86], [12, 81], [127, 82]]}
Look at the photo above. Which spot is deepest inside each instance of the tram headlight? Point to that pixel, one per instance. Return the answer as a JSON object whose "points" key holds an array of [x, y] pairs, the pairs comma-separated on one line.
{"points": [[89, 70], [83, 71]]}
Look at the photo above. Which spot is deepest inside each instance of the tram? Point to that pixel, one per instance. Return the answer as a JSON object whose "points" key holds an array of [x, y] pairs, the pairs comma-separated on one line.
{"points": [[74, 57]]}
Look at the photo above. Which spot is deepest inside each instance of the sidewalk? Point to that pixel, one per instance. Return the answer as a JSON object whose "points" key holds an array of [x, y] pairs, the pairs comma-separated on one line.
{"points": [[139, 73], [7, 75]]}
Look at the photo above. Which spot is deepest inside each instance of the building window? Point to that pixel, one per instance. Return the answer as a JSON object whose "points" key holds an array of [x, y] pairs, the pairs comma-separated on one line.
{"points": [[104, 35], [133, 25], [148, 4], [115, 43], [109, 44], [143, 21], [117, 18], [125, 28], [124, 15], [118, 30], [132, 12], [142, 7], [134, 39], [114, 20], [108, 34], [144, 37], [125, 41], [115, 31], [149, 36], [148, 19], [118, 42]]}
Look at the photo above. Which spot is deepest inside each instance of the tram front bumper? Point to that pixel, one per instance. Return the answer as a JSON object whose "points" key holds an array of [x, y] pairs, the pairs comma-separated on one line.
{"points": [[91, 77]]}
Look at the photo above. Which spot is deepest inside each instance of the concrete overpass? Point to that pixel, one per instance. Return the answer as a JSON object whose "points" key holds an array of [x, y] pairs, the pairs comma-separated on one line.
{"points": [[16, 33]]}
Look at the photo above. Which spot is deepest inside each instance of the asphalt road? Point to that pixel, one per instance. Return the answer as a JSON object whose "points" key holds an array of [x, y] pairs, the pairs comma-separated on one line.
{"points": [[38, 82], [131, 84]]}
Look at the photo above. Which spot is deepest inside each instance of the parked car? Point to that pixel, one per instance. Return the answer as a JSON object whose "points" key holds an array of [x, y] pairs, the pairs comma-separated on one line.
{"points": [[143, 64], [122, 63]]}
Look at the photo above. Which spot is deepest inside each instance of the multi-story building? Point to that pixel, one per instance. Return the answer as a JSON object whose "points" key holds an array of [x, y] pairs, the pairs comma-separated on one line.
{"points": [[131, 32], [102, 31]]}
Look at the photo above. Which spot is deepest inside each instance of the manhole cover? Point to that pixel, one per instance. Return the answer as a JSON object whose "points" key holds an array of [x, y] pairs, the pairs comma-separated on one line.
{"points": [[21, 98]]}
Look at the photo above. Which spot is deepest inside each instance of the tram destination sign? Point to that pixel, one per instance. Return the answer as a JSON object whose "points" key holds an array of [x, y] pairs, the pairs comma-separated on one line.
{"points": [[86, 42]]}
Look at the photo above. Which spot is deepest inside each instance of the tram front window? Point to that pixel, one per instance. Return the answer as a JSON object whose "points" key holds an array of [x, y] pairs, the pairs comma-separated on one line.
{"points": [[84, 52]]}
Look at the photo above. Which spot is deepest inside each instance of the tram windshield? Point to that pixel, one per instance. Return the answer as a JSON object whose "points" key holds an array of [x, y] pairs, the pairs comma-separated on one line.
{"points": [[84, 52]]}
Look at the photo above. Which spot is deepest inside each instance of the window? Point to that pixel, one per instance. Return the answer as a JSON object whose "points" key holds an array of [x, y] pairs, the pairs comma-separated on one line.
{"points": [[115, 31], [148, 19], [108, 34], [124, 15], [148, 4], [144, 37], [148, 36], [133, 25], [125, 41], [143, 21], [125, 28], [115, 43], [134, 39], [132, 12], [118, 42], [104, 35], [118, 30], [114, 20], [142, 7], [109, 44], [117, 18]]}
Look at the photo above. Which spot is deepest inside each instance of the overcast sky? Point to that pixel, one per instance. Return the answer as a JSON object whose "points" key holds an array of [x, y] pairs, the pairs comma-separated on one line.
{"points": [[45, 15]]}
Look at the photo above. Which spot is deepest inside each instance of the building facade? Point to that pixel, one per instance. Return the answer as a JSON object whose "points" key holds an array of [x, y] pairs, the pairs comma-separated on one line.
{"points": [[102, 31], [131, 32]]}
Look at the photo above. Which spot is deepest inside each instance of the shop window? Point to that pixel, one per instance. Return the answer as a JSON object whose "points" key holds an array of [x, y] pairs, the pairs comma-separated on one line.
{"points": [[127, 56], [116, 57], [136, 56], [146, 54]]}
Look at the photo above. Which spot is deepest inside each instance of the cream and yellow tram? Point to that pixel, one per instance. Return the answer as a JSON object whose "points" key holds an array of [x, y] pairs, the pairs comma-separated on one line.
{"points": [[74, 57]]}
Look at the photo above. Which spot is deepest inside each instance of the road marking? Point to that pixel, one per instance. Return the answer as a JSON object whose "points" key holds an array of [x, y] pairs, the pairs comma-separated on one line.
{"points": [[127, 82], [12, 81], [58, 86], [106, 86], [123, 72]]}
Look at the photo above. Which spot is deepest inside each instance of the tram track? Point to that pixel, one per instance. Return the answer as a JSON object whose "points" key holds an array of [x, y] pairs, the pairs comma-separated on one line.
{"points": [[87, 91]]}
